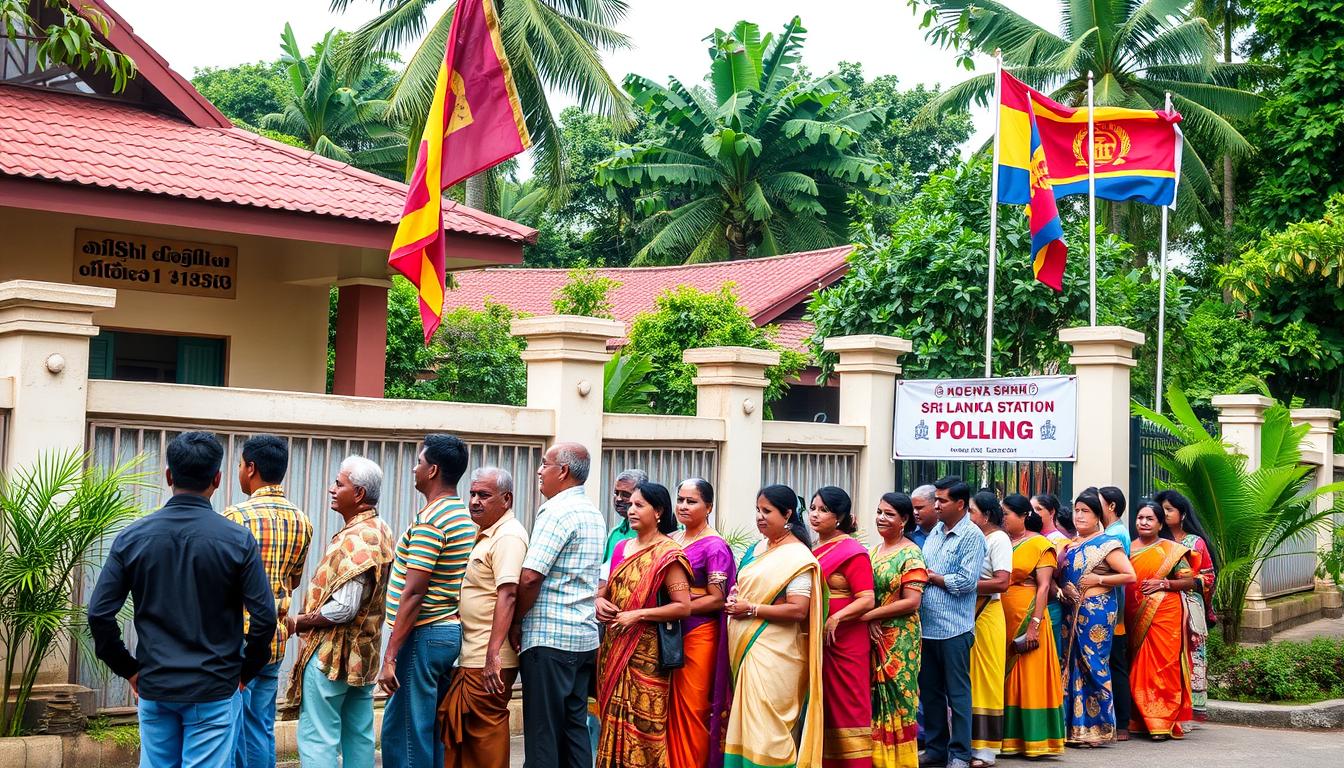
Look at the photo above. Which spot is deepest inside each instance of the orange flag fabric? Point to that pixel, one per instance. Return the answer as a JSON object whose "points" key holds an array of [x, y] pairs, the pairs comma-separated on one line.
{"points": [[475, 122]]}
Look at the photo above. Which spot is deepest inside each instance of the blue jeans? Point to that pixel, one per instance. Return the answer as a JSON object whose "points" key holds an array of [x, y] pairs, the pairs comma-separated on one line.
{"points": [[188, 735], [424, 668], [335, 720], [255, 745]]}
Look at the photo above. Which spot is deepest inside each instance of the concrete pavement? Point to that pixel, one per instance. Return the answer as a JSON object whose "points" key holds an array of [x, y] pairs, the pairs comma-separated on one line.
{"points": [[1213, 746]]}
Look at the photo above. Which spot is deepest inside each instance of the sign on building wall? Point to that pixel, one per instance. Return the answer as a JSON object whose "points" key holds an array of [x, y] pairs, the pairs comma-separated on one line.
{"points": [[143, 263], [1017, 419]]}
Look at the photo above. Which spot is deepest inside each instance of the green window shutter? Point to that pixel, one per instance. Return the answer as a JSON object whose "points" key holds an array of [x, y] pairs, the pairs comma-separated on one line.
{"points": [[200, 361], [102, 355]]}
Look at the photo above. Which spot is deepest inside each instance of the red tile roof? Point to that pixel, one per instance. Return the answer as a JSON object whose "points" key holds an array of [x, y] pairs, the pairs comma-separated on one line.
{"points": [[63, 137], [767, 287]]}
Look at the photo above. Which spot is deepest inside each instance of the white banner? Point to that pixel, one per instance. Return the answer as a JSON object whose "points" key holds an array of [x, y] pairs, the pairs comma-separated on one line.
{"points": [[1018, 419]]}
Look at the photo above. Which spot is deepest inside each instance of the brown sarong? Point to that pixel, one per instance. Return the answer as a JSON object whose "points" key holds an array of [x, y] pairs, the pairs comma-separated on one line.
{"points": [[476, 722]]}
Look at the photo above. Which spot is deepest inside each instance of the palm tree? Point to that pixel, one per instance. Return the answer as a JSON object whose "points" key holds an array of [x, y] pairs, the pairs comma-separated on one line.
{"points": [[337, 116], [551, 44], [1228, 17], [1138, 51], [1250, 515], [759, 163]]}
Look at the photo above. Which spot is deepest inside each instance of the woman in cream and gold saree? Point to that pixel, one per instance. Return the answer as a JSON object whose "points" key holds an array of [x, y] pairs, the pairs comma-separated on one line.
{"points": [[632, 689], [1155, 613], [774, 643]]}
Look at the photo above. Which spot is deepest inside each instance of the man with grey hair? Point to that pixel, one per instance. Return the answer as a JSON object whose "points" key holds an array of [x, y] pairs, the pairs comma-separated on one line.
{"points": [[342, 626], [621, 491], [555, 624], [925, 517], [475, 712]]}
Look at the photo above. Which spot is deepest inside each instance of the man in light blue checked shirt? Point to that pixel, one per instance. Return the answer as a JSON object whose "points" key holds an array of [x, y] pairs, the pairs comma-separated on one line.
{"points": [[954, 553], [555, 624]]}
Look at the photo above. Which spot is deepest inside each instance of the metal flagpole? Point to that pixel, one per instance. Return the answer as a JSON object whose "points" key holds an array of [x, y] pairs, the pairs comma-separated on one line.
{"points": [[1162, 300], [993, 215], [1091, 205]]}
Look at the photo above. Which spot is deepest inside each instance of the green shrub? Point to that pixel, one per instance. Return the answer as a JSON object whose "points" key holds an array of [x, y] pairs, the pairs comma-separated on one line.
{"points": [[1277, 672]]}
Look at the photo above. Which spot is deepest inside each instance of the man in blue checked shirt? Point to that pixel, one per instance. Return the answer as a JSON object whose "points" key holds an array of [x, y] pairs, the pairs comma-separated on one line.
{"points": [[954, 553], [555, 623]]}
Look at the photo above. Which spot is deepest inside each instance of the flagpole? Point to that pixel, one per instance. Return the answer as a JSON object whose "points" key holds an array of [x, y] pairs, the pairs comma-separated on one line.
{"points": [[1162, 301], [1091, 205], [993, 215]]}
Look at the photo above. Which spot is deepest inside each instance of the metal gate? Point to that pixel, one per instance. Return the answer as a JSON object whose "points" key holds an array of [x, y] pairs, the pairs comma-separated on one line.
{"points": [[1025, 477]]}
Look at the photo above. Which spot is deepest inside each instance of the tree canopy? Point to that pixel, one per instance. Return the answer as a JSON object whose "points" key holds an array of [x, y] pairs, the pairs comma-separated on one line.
{"points": [[758, 163]]}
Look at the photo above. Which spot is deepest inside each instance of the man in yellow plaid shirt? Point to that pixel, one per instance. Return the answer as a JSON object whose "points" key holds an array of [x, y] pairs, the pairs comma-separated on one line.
{"points": [[283, 533]]}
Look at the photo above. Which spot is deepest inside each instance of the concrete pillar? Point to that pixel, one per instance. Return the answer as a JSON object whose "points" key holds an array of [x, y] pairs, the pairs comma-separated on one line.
{"points": [[868, 368], [1318, 448], [361, 337], [1102, 358], [44, 352], [564, 356], [730, 386], [1241, 420]]}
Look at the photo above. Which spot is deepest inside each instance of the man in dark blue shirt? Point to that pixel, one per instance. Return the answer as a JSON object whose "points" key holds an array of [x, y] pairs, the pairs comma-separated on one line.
{"points": [[190, 572]]}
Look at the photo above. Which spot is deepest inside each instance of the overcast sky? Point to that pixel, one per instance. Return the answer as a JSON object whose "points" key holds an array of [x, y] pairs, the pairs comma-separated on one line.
{"points": [[883, 35]]}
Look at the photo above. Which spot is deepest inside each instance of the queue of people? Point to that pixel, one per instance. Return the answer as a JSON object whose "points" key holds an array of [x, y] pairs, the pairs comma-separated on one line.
{"points": [[977, 626]]}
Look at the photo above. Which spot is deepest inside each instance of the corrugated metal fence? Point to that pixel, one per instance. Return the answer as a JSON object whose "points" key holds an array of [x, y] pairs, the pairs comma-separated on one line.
{"points": [[313, 463], [665, 464]]}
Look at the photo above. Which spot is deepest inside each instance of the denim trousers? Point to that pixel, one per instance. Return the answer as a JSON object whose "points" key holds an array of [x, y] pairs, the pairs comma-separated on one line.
{"points": [[335, 720], [188, 735], [254, 746], [945, 697], [424, 669]]}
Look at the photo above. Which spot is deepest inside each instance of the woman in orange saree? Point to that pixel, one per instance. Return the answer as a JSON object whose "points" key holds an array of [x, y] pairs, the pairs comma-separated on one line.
{"points": [[1155, 609], [699, 704], [632, 688]]}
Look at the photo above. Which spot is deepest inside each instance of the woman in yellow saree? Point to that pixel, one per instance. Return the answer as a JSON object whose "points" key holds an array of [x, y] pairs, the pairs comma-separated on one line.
{"points": [[632, 689], [774, 643], [1033, 692], [1159, 665]]}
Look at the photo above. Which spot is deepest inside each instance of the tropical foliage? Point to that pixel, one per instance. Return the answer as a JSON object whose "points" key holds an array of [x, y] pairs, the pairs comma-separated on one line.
{"points": [[1138, 52], [684, 318], [53, 515], [626, 384], [553, 46], [585, 293], [341, 115], [1293, 283], [65, 35], [1248, 514], [759, 163]]}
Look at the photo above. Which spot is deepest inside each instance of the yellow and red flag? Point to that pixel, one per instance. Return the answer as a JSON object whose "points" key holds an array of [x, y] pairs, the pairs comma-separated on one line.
{"points": [[475, 122]]}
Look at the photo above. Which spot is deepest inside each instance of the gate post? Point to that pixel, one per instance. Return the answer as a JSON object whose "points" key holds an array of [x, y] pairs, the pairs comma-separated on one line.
{"points": [[1241, 420], [868, 368], [730, 385], [1102, 357], [1319, 449], [565, 355]]}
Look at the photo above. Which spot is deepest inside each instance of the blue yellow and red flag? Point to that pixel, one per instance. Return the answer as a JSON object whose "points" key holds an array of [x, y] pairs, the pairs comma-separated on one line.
{"points": [[1138, 151], [475, 122], [1048, 251]]}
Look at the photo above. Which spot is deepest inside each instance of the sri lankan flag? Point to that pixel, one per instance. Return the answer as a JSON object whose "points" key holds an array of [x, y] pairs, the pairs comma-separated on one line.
{"points": [[475, 122]]}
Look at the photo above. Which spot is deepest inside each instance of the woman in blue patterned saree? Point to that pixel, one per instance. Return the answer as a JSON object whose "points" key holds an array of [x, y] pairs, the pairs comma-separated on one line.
{"points": [[1092, 567]]}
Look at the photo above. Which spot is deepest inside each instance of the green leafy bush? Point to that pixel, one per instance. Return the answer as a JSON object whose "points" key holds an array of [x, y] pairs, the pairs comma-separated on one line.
{"points": [[1277, 672], [685, 318], [585, 293]]}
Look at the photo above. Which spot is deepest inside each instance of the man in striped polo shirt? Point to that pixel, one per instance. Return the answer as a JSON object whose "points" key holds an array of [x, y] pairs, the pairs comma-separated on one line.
{"points": [[422, 600]]}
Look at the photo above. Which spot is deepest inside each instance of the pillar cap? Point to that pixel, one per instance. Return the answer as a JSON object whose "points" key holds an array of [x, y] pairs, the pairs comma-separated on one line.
{"points": [[566, 337], [1241, 409], [868, 353], [59, 309], [1102, 345], [732, 366], [1315, 415]]}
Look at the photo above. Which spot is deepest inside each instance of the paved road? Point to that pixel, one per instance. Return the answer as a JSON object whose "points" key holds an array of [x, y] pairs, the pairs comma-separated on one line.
{"points": [[1213, 746]]}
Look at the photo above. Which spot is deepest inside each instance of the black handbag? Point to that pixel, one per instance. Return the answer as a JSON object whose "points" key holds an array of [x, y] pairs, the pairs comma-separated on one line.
{"points": [[671, 649]]}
